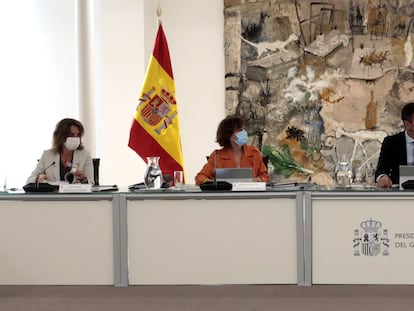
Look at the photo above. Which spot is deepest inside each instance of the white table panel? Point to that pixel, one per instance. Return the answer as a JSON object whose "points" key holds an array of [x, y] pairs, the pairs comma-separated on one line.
{"points": [[56, 242], [363, 240], [229, 241]]}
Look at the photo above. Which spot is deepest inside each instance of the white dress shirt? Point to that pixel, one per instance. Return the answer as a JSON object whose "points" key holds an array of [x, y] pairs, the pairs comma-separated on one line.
{"points": [[410, 149]]}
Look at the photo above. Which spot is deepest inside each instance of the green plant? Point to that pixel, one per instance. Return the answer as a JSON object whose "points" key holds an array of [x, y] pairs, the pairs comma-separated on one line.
{"points": [[282, 161]]}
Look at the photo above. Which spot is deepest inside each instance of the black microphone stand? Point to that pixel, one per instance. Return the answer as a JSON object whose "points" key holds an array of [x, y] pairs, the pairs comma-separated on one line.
{"points": [[215, 168], [42, 172]]}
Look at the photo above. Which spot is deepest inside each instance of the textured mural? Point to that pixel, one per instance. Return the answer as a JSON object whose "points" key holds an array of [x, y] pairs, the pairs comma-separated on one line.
{"points": [[319, 81]]}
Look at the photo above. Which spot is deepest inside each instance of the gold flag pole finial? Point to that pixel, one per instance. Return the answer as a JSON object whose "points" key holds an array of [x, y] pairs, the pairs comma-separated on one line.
{"points": [[159, 14]]}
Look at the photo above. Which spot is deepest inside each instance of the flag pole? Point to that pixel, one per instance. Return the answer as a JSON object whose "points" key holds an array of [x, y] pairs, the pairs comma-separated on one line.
{"points": [[159, 19]]}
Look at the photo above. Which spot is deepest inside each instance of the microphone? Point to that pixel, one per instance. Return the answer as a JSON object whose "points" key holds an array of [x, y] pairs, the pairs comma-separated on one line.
{"points": [[216, 185], [215, 168], [43, 172], [70, 176]]}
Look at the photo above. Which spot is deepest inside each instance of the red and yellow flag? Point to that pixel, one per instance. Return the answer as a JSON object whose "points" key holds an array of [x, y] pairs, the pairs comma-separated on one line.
{"points": [[155, 129]]}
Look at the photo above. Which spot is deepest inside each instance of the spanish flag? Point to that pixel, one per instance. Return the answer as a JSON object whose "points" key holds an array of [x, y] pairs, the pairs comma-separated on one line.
{"points": [[155, 129]]}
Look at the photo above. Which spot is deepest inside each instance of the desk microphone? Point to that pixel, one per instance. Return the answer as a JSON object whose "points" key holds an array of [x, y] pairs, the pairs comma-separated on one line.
{"points": [[216, 185], [43, 172], [70, 176], [215, 168]]}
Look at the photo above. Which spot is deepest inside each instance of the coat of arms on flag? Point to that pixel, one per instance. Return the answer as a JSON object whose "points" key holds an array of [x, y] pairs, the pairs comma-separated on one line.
{"points": [[158, 109]]}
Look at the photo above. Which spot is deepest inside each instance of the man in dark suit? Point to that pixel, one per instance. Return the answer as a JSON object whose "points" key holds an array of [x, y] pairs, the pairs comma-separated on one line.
{"points": [[396, 150]]}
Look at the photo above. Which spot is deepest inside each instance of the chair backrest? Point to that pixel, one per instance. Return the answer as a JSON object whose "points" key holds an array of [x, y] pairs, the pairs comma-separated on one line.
{"points": [[265, 160]]}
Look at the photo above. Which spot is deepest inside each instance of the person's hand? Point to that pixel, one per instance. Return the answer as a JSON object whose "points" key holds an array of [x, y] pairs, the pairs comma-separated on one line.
{"points": [[42, 178], [385, 182], [79, 175]]}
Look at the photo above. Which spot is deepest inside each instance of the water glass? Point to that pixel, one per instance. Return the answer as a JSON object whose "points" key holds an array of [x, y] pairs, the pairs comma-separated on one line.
{"points": [[178, 179], [370, 176]]}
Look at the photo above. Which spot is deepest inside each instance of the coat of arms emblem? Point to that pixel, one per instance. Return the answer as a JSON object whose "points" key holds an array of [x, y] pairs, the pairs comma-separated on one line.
{"points": [[371, 240], [156, 108]]}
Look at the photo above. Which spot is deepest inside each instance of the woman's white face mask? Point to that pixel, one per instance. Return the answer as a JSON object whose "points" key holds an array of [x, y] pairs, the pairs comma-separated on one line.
{"points": [[72, 143]]}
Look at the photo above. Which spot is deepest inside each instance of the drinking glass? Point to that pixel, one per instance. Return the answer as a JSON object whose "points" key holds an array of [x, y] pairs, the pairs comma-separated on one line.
{"points": [[370, 176], [178, 179]]}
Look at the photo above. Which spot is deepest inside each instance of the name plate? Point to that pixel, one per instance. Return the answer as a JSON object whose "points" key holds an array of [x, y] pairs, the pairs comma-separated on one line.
{"points": [[75, 188], [249, 186]]}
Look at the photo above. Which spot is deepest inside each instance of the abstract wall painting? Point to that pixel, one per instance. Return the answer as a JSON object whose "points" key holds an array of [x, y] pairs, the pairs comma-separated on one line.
{"points": [[319, 81]]}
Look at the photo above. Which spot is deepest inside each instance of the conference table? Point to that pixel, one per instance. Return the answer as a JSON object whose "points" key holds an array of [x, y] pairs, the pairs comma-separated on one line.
{"points": [[303, 236], [152, 237]]}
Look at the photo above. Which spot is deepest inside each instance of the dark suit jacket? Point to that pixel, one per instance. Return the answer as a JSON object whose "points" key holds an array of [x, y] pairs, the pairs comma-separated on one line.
{"points": [[393, 154]]}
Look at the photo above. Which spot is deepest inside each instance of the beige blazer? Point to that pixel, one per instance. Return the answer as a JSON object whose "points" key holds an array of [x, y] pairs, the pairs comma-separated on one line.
{"points": [[81, 160]]}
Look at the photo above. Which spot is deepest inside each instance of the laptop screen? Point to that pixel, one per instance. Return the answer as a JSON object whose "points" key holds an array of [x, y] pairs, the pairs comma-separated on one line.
{"points": [[244, 174], [406, 173]]}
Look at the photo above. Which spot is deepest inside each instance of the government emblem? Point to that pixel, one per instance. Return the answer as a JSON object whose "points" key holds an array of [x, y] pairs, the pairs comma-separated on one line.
{"points": [[371, 240], [157, 109]]}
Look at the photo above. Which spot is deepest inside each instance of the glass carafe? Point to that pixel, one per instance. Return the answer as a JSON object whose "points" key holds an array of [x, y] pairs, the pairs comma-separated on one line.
{"points": [[153, 175], [343, 173]]}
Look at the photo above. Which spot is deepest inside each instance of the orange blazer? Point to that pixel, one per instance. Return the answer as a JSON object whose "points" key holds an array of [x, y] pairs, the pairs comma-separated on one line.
{"points": [[223, 158]]}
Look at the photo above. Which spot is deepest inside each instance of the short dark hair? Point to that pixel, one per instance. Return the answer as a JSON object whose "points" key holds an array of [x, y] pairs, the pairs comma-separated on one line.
{"points": [[407, 112], [226, 129], [62, 131]]}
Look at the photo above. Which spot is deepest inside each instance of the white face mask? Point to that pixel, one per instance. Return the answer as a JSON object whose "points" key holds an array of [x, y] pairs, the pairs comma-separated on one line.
{"points": [[72, 143]]}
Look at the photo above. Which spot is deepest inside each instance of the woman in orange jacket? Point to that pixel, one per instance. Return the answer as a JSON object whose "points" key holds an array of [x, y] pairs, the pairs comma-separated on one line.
{"points": [[232, 137]]}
